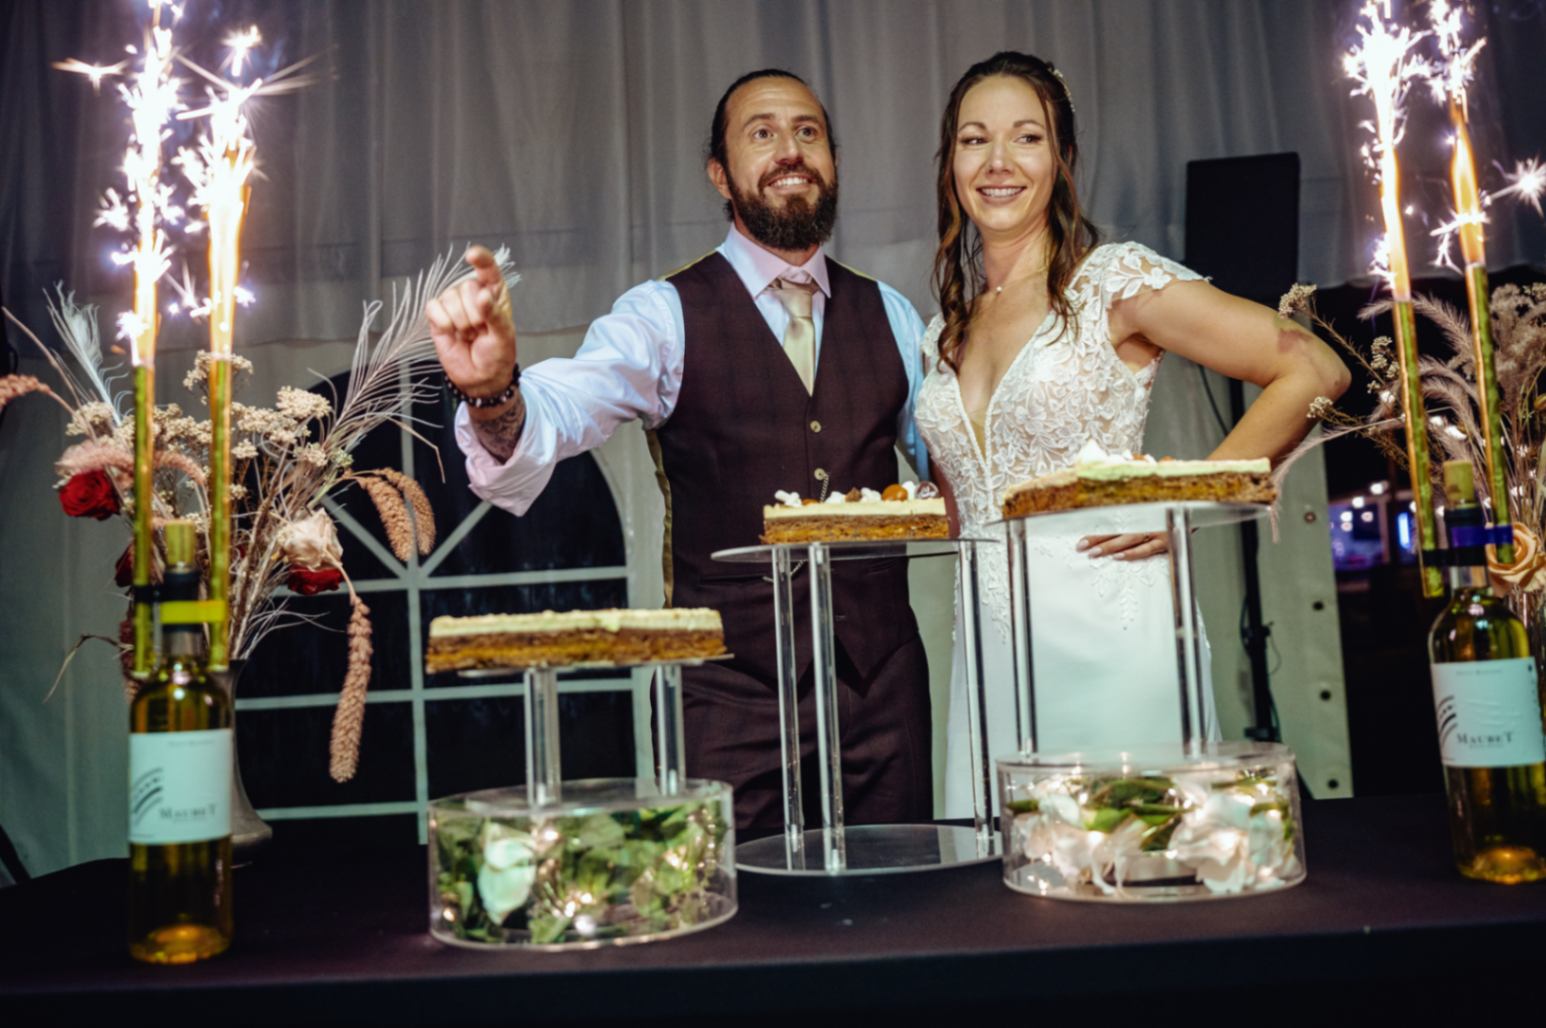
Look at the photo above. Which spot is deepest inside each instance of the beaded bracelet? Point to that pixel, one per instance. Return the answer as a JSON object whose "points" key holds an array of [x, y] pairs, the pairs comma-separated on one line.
{"points": [[499, 399]]}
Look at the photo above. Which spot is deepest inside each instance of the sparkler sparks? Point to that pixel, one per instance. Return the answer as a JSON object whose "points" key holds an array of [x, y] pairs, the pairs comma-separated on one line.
{"points": [[1383, 65], [1449, 79], [1457, 64], [1527, 182], [144, 205], [218, 169], [240, 44], [95, 72]]}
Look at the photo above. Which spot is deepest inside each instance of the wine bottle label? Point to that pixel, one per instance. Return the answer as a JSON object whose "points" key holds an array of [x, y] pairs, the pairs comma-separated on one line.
{"points": [[1489, 713], [179, 786]]}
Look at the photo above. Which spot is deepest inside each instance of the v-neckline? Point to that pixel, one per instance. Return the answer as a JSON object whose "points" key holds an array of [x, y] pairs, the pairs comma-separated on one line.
{"points": [[983, 447]]}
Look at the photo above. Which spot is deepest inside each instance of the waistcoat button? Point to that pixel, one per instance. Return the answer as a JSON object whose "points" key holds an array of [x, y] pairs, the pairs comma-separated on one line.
{"points": [[815, 426]]}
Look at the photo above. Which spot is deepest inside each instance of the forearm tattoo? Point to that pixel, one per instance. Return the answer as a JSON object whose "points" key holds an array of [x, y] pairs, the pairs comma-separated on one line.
{"points": [[500, 433]]}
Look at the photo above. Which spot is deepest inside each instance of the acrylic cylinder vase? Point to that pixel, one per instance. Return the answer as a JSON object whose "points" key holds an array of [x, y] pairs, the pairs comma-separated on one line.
{"points": [[613, 861], [1163, 824]]}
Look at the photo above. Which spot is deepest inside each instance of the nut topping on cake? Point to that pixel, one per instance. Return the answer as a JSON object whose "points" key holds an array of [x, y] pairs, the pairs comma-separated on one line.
{"points": [[900, 511]]}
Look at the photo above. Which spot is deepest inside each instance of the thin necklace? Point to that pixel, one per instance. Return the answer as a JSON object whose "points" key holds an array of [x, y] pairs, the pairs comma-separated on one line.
{"points": [[999, 289]]}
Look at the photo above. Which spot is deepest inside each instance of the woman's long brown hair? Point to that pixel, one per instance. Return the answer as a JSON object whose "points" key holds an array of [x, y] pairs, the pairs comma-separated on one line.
{"points": [[958, 275]]}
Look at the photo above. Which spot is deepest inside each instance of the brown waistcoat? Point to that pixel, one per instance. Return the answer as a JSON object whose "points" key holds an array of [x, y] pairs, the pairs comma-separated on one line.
{"points": [[744, 427]]}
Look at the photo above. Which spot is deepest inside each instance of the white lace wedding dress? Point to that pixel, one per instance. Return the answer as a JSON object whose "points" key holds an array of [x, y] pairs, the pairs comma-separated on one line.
{"points": [[1104, 639]]}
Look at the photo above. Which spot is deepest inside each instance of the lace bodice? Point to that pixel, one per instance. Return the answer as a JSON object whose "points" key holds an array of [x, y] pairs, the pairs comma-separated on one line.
{"points": [[1065, 387]]}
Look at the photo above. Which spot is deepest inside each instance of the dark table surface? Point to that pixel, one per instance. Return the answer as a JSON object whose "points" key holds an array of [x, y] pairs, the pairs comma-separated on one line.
{"points": [[1383, 920]]}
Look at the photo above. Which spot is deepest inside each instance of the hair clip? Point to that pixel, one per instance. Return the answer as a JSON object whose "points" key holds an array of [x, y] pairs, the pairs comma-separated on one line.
{"points": [[1067, 93]]}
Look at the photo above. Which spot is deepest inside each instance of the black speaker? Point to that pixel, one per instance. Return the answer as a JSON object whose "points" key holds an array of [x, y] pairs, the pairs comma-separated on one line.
{"points": [[1242, 223]]}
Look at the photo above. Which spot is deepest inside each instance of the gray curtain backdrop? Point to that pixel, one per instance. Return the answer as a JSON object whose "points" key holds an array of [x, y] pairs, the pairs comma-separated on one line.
{"points": [[574, 132]]}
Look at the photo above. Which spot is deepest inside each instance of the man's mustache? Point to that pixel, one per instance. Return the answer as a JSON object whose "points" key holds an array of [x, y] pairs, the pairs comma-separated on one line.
{"points": [[790, 169]]}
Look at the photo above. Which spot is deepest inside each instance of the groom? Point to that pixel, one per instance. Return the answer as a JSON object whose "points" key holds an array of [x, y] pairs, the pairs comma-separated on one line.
{"points": [[761, 366]]}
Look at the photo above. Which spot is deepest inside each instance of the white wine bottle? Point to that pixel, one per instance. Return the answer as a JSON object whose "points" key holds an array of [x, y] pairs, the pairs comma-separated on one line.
{"points": [[180, 750], [1491, 737]]}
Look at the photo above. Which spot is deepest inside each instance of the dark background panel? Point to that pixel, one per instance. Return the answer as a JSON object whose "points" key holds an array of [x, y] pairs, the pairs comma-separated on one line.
{"points": [[314, 659], [481, 744], [302, 839], [284, 757]]}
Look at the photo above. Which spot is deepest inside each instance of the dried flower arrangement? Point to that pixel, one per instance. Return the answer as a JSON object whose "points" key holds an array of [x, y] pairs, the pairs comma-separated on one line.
{"points": [[286, 459], [1518, 315]]}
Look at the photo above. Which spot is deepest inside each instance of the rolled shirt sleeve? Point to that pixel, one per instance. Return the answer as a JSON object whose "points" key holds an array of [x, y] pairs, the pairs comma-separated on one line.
{"points": [[629, 366]]}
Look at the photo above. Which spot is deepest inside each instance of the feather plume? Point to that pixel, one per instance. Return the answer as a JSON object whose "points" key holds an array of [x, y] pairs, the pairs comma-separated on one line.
{"points": [[1455, 325], [376, 392], [1372, 310], [1321, 438], [77, 326]]}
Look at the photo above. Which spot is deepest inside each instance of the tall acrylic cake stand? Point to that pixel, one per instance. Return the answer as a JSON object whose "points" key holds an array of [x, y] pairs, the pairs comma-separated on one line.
{"points": [[529, 826], [1241, 800], [835, 848]]}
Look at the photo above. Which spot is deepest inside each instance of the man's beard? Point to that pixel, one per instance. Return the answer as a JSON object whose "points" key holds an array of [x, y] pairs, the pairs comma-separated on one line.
{"points": [[797, 225]]}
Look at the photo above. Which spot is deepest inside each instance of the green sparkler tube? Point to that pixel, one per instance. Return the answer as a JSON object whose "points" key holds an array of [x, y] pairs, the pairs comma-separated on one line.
{"points": [[219, 508], [1487, 396], [144, 509], [1417, 445]]}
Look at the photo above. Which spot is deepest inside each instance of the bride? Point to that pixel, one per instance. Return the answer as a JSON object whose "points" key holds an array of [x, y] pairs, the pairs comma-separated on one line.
{"points": [[1046, 343]]}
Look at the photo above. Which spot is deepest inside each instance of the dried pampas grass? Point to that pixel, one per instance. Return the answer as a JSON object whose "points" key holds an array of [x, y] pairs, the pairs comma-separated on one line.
{"points": [[15, 386], [94, 456], [349, 718], [423, 514], [394, 514]]}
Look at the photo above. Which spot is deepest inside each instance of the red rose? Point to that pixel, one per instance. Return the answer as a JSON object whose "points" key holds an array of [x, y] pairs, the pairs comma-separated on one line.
{"points": [[308, 582], [89, 494]]}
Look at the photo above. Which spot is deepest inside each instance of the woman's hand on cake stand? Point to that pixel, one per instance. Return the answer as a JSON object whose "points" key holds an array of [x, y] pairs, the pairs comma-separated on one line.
{"points": [[474, 338], [1133, 546]]}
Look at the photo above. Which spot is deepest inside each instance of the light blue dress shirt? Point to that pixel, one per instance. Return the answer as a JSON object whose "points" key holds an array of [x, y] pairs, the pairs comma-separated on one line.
{"points": [[630, 367]]}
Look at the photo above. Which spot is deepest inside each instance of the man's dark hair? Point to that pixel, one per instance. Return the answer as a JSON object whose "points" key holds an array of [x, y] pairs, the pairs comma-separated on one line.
{"points": [[717, 129]]}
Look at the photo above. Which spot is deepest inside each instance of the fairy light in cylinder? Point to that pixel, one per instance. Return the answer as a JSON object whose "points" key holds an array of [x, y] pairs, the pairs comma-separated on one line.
{"points": [[1383, 64], [1450, 83], [151, 98]]}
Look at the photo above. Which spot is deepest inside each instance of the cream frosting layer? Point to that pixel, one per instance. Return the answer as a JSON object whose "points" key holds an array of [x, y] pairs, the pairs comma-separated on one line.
{"points": [[1142, 469], [859, 509], [692, 619], [1096, 465]]}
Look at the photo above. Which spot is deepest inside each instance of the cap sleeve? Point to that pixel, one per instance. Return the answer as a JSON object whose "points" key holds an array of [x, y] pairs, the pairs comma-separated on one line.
{"points": [[931, 342], [1119, 271]]}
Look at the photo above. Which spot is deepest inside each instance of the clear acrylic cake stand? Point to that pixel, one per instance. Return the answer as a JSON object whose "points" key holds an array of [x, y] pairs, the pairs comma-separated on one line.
{"points": [[544, 776], [551, 816], [1250, 775], [860, 849], [1176, 520]]}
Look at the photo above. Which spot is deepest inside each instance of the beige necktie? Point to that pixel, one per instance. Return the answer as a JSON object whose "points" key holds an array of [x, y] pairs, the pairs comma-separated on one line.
{"points": [[800, 336]]}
